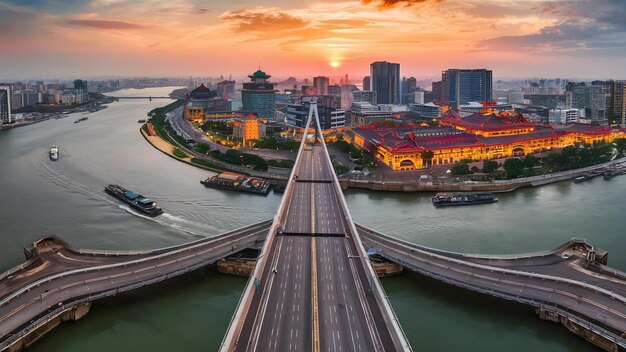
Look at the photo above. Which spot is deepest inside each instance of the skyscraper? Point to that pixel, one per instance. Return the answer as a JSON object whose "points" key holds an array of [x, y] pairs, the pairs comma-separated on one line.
{"points": [[258, 96], [366, 83], [385, 81], [461, 86], [321, 85], [5, 104], [619, 102]]}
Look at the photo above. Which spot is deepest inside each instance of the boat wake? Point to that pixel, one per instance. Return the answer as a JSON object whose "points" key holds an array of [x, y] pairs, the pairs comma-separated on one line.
{"points": [[167, 219]]}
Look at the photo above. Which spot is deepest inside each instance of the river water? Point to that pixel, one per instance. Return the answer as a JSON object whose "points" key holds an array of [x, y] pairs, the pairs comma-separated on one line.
{"points": [[191, 313]]}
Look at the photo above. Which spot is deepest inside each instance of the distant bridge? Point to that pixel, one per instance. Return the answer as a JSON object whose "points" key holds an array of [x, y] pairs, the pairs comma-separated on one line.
{"points": [[148, 97]]}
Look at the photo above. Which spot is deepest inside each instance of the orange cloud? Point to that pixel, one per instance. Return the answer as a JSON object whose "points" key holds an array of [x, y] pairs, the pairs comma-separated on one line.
{"points": [[385, 4], [103, 24]]}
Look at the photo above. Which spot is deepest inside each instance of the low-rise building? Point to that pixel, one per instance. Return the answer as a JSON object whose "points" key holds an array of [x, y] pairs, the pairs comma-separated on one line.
{"points": [[248, 129], [475, 137], [564, 116]]}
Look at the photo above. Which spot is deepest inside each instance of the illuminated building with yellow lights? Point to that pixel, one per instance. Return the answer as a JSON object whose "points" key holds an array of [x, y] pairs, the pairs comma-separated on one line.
{"points": [[476, 137], [202, 104], [248, 129]]}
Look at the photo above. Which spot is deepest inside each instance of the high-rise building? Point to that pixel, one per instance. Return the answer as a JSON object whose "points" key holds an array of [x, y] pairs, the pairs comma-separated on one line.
{"points": [[619, 102], [81, 84], [595, 99], [321, 85], [366, 83], [258, 96], [461, 86], [437, 91], [409, 87], [385, 81], [5, 104], [226, 89]]}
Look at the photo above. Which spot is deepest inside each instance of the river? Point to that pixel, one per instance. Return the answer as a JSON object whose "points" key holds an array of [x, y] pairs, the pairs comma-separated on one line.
{"points": [[191, 313]]}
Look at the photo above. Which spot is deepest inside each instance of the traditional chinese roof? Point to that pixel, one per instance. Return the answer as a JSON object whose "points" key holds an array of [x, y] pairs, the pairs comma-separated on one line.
{"points": [[417, 139], [490, 122], [259, 74], [202, 92]]}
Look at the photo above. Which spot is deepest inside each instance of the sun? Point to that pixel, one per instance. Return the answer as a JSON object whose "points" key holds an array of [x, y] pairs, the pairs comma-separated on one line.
{"points": [[334, 63]]}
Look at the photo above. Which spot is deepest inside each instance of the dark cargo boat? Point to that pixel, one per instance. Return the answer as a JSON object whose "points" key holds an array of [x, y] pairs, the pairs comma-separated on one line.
{"points": [[238, 182], [447, 199], [136, 201]]}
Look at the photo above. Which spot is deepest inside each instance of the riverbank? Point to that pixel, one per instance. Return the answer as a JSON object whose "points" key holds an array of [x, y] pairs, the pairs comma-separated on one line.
{"points": [[431, 185], [438, 185]]}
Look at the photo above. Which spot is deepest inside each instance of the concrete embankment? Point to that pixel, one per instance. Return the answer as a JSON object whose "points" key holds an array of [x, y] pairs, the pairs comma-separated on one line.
{"points": [[475, 186]]}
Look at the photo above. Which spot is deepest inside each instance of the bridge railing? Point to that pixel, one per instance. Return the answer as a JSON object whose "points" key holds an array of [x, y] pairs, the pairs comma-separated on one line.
{"points": [[413, 250], [243, 306], [96, 268], [514, 256], [590, 324]]}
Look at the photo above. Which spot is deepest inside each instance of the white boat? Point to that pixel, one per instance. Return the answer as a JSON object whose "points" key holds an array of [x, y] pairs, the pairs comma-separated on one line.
{"points": [[54, 153]]}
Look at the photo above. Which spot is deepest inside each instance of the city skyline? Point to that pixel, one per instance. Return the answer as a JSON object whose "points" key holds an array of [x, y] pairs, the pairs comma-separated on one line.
{"points": [[574, 39]]}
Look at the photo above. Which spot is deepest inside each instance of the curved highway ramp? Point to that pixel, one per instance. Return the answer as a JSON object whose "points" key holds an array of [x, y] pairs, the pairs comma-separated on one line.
{"points": [[57, 282]]}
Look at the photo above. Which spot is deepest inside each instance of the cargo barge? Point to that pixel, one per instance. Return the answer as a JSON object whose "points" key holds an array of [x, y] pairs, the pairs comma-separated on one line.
{"points": [[449, 199], [237, 182], [136, 201]]}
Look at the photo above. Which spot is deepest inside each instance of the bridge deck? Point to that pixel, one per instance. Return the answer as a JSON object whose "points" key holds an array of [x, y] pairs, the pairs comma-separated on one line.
{"points": [[551, 281], [314, 288], [58, 276]]}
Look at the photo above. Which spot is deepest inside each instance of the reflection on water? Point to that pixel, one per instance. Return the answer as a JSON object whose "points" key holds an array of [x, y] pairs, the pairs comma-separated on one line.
{"points": [[191, 313]]}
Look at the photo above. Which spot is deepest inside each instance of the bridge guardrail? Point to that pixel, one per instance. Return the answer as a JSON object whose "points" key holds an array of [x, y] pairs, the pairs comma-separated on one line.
{"points": [[235, 325], [507, 271], [27, 288], [383, 300], [563, 311]]}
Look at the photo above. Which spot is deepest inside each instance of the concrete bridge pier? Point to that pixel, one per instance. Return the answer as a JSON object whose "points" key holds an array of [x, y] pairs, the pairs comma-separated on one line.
{"points": [[70, 314]]}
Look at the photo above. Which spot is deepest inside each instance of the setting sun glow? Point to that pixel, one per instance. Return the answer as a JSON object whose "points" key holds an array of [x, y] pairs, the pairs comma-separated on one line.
{"points": [[334, 63]]}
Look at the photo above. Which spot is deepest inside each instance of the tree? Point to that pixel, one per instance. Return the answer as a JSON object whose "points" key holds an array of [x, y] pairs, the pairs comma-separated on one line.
{"points": [[514, 167], [530, 161], [460, 169], [620, 145], [490, 166]]}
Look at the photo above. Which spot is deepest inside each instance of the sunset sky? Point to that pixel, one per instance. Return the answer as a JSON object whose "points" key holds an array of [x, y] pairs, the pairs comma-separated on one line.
{"points": [[530, 38]]}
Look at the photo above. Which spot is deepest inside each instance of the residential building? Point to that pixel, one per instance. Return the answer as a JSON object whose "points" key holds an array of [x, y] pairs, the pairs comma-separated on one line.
{"points": [[258, 96], [461, 86], [385, 81], [321, 85], [5, 104]]}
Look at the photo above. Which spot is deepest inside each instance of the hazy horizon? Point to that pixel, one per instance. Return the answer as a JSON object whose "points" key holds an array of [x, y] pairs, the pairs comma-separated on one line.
{"points": [[48, 39]]}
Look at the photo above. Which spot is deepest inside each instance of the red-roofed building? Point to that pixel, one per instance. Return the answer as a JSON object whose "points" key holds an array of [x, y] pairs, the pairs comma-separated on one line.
{"points": [[476, 137]]}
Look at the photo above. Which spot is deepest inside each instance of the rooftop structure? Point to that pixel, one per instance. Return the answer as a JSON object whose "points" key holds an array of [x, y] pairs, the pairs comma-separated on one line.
{"points": [[258, 96]]}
